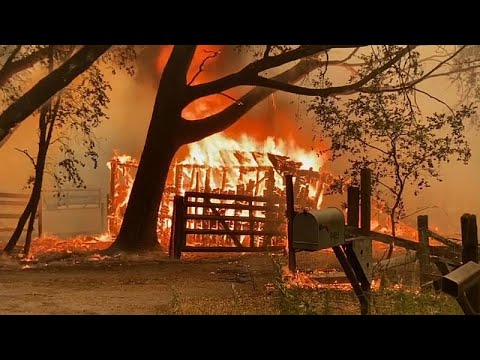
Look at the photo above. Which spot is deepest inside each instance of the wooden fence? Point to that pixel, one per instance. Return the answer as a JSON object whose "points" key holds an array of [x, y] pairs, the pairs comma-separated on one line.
{"points": [[232, 223], [13, 204], [18, 202]]}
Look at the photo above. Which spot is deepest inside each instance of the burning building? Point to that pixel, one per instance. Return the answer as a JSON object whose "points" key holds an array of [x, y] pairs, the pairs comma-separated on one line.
{"points": [[221, 165]]}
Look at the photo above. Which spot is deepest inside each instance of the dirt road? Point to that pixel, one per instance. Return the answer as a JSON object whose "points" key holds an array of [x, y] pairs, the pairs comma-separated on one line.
{"points": [[134, 286]]}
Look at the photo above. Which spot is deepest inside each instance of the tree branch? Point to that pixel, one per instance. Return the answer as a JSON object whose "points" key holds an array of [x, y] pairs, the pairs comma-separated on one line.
{"points": [[11, 68], [333, 90], [267, 50], [49, 86], [437, 99], [198, 129], [202, 65], [409, 85], [32, 160], [387, 187], [249, 73]]}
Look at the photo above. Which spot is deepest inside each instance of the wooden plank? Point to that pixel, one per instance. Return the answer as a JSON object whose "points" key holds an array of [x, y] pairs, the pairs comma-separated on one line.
{"points": [[234, 232], [227, 249], [232, 218], [397, 261], [331, 278], [235, 197], [443, 240], [10, 216], [13, 202], [11, 229], [247, 168], [406, 244], [226, 206], [14, 196]]}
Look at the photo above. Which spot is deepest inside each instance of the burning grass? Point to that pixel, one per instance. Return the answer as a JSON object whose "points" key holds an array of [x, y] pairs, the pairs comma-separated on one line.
{"points": [[50, 244]]}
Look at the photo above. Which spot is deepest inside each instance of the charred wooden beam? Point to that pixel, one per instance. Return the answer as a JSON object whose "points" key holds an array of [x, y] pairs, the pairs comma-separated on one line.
{"points": [[234, 218], [226, 196], [234, 232]]}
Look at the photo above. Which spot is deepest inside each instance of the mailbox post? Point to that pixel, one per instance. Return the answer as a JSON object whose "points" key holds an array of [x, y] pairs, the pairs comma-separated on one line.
{"points": [[323, 229]]}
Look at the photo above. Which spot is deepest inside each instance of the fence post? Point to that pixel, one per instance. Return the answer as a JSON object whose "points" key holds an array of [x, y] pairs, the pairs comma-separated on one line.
{"points": [[353, 206], [470, 253], [179, 227], [365, 200], [177, 232], [363, 248], [292, 261], [423, 249]]}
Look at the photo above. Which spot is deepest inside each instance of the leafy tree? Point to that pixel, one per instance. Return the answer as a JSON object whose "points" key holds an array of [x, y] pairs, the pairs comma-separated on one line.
{"points": [[388, 134], [70, 116]]}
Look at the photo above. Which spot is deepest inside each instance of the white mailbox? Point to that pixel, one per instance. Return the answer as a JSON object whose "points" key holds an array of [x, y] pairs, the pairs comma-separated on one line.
{"points": [[318, 229]]}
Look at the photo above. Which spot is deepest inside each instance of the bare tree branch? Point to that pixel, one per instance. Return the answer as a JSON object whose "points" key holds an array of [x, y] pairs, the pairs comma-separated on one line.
{"points": [[267, 50], [32, 160], [231, 98], [416, 212], [409, 85], [436, 99], [202, 65]]}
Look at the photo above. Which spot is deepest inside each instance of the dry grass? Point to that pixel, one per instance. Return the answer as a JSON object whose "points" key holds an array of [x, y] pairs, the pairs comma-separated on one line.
{"points": [[281, 298]]}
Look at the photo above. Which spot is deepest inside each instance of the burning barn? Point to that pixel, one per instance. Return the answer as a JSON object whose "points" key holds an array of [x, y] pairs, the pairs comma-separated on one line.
{"points": [[220, 165]]}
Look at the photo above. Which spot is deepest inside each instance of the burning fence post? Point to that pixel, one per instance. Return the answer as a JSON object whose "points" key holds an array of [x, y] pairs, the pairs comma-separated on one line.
{"points": [[470, 253], [423, 249], [269, 194], [178, 179], [111, 206]]}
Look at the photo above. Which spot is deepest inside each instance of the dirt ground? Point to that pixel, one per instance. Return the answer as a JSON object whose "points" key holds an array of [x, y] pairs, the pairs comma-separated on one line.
{"points": [[144, 285], [72, 282]]}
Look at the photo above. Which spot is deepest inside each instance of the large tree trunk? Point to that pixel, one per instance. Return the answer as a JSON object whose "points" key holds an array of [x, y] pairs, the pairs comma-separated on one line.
{"points": [[165, 134], [139, 227]]}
